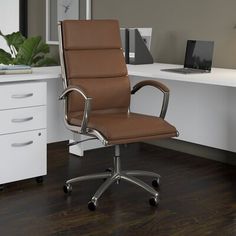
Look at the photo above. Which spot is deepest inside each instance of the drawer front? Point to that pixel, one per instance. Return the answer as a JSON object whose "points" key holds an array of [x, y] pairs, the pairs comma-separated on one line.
{"points": [[22, 119], [22, 95], [23, 155]]}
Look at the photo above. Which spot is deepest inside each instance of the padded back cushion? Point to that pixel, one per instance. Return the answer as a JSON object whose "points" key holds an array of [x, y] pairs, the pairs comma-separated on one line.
{"points": [[94, 61], [91, 34]]}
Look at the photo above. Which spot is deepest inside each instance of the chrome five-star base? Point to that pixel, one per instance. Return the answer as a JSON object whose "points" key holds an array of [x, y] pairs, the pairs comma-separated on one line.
{"points": [[115, 175]]}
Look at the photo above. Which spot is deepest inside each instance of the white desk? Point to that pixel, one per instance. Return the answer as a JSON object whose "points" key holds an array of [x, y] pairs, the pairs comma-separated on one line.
{"points": [[202, 106], [218, 76], [55, 127]]}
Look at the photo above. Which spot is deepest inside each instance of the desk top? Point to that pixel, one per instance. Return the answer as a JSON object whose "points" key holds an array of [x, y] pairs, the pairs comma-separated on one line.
{"points": [[218, 76], [38, 73]]}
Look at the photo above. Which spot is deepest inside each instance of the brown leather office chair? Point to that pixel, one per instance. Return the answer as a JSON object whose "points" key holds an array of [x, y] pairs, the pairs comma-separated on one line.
{"points": [[97, 98]]}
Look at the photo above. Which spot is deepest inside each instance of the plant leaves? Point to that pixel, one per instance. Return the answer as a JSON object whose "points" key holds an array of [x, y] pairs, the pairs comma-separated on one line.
{"points": [[47, 61], [37, 58], [5, 57], [15, 39], [32, 52], [42, 48], [28, 50]]}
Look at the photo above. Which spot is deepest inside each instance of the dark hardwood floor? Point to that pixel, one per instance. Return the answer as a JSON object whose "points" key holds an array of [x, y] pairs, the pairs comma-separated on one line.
{"points": [[198, 197]]}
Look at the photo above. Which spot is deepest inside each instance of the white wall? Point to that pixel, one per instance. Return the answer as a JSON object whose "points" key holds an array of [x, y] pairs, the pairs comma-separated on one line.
{"points": [[9, 19]]}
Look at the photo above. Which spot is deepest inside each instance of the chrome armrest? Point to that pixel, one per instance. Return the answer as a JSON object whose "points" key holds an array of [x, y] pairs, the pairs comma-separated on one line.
{"points": [[87, 106], [159, 86]]}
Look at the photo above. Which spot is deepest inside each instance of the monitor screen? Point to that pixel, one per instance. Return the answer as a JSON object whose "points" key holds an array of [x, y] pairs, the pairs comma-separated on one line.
{"points": [[199, 54]]}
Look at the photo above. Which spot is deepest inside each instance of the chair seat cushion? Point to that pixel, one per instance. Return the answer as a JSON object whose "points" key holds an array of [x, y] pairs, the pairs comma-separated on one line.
{"points": [[119, 128]]}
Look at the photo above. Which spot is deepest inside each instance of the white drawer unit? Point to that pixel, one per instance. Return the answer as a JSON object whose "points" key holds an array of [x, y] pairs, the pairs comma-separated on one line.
{"points": [[23, 155], [23, 135], [21, 119], [22, 95]]}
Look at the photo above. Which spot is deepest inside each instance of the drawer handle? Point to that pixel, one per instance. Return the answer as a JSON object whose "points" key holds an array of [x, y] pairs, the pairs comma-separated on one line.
{"points": [[21, 144], [22, 120], [22, 95]]}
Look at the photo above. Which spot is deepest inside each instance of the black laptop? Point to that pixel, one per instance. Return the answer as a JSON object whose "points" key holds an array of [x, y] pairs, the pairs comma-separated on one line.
{"points": [[198, 58]]}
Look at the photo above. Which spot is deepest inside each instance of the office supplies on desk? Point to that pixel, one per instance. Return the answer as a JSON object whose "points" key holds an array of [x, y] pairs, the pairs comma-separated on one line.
{"points": [[198, 58], [15, 69], [136, 44]]}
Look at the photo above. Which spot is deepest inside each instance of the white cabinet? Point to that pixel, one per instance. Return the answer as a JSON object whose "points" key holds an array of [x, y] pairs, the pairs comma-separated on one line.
{"points": [[22, 119], [23, 134], [17, 95], [23, 155]]}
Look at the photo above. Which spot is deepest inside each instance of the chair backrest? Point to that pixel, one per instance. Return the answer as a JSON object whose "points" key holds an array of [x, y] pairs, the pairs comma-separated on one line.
{"points": [[94, 60]]}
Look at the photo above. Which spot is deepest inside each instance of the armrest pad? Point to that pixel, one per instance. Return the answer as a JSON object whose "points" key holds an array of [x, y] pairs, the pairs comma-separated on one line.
{"points": [[71, 88], [153, 83], [159, 86], [87, 105]]}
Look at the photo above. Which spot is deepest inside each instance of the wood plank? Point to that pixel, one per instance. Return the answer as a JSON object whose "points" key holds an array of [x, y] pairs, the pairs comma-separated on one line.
{"points": [[198, 197]]}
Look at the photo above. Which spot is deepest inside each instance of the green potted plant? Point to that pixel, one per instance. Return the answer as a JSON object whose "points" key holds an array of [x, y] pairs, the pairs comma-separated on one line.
{"points": [[27, 51]]}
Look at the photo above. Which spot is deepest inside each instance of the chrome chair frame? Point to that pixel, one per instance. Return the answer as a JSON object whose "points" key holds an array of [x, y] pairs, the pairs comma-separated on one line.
{"points": [[116, 174]]}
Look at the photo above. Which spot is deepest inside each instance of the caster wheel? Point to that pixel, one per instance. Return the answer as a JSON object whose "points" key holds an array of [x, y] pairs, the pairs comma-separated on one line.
{"points": [[1, 187], [154, 201], [67, 188], [92, 206], [39, 179], [156, 183]]}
